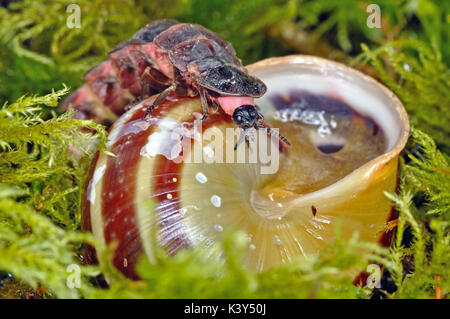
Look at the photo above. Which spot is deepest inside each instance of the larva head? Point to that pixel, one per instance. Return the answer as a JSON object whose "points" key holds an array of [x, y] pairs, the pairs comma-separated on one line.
{"points": [[227, 80], [247, 116]]}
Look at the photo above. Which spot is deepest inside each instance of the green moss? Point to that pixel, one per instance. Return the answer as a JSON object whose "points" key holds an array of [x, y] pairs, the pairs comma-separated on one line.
{"points": [[420, 79], [47, 154], [34, 249]]}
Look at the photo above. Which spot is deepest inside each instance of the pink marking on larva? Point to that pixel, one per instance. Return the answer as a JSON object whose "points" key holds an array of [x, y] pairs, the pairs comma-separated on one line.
{"points": [[161, 59], [83, 94], [123, 63], [103, 70], [231, 103], [105, 84]]}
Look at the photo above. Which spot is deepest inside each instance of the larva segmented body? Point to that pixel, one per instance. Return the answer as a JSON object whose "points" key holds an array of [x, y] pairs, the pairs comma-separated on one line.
{"points": [[166, 56], [159, 55]]}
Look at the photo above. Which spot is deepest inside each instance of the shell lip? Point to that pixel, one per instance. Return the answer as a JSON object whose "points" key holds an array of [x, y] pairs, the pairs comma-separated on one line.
{"points": [[369, 169]]}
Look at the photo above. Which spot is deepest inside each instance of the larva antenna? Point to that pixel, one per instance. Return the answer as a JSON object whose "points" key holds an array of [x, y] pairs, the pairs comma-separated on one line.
{"points": [[275, 133], [241, 138]]}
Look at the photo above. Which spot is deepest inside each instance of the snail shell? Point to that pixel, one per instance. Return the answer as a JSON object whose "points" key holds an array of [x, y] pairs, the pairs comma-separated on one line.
{"points": [[330, 173]]}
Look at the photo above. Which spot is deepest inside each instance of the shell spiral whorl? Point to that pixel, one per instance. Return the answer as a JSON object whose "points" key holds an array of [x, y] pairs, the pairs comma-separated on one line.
{"points": [[196, 202], [338, 167]]}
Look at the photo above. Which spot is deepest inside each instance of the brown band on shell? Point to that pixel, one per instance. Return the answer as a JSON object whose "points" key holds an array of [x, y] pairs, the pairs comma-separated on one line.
{"points": [[118, 196], [119, 215]]}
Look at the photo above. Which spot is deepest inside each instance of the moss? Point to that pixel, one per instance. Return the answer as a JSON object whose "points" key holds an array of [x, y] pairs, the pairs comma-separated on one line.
{"points": [[420, 79], [47, 157]]}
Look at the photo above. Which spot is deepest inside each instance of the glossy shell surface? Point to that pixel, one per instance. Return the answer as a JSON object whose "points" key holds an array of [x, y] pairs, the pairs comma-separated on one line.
{"points": [[146, 196]]}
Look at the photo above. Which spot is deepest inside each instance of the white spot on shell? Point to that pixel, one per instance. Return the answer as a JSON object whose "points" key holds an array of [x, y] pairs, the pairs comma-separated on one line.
{"points": [[216, 201], [174, 179], [98, 174], [277, 240], [201, 178], [218, 228], [208, 151], [169, 196], [186, 209], [167, 142], [117, 127]]}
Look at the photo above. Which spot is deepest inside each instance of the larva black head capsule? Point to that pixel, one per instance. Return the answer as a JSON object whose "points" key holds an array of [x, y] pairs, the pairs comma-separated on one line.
{"points": [[247, 116], [228, 80]]}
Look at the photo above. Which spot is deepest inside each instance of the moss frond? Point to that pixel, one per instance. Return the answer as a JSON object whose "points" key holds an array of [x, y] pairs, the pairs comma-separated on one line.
{"points": [[329, 274], [428, 172], [420, 79], [422, 202], [48, 157], [35, 249]]}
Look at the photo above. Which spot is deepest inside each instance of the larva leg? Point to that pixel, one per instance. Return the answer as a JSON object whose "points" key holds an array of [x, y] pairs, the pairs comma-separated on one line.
{"points": [[204, 104], [145, 89], [145, 83], [214, 106], [161, 97]]}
